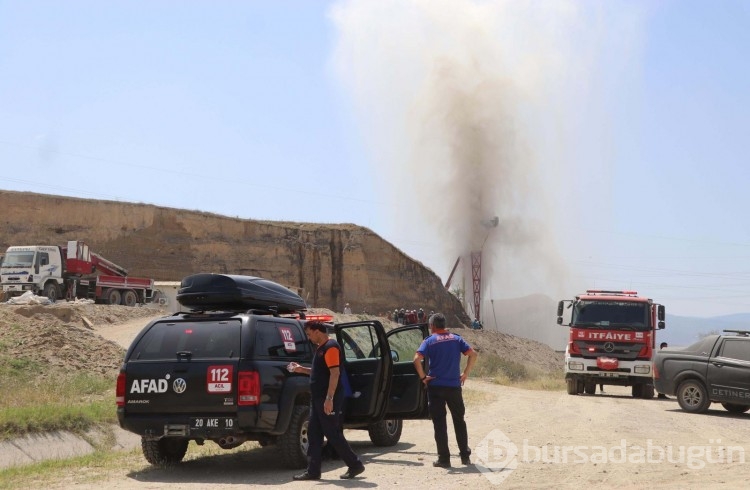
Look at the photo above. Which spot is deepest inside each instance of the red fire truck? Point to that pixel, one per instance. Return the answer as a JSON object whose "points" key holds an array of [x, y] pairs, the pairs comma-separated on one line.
{"points": [[612, 341]]}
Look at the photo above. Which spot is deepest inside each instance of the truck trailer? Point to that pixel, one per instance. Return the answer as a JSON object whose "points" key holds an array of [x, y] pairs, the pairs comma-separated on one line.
{"points": [[69, 272]]}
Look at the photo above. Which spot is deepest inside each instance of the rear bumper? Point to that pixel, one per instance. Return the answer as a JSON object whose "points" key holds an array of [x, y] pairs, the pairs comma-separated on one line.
{"points": [[178, 425]]}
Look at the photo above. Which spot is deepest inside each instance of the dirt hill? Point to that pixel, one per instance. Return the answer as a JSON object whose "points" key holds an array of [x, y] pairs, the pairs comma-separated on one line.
{"points": [[328, 264]]}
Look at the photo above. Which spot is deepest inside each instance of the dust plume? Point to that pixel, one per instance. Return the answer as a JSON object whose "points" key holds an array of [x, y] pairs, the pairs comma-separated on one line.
{"points": [[471, 110]]}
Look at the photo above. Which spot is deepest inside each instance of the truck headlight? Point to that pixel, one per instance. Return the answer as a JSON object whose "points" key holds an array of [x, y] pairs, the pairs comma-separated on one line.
{"points": [[642, 369], [575, 366]]}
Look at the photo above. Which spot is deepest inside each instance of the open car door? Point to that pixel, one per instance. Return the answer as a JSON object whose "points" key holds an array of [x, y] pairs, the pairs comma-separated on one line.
{"points": [[369, 369], [407, 398]]}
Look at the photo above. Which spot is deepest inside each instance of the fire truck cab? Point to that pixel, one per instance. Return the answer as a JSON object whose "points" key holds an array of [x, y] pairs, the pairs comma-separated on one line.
{"points": [[612, 341]]}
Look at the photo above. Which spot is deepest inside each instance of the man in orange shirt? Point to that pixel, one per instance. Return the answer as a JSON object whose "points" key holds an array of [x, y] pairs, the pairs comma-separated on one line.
{"points": [[326, 404]]}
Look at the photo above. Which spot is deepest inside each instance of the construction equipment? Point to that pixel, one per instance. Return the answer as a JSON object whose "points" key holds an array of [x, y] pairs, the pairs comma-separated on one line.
{"points": [[71, 271]]}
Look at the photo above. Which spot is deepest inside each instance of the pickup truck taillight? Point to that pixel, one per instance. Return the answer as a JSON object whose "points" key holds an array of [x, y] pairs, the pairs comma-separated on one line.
{"points": [[120, 390], [248, 388], [655, 371]]}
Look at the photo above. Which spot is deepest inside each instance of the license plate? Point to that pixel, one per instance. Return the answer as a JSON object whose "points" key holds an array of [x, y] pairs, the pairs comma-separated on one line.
{"points": [[212, 423]]}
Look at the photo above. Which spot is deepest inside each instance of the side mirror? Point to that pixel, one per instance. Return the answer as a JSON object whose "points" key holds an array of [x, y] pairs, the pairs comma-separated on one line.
{"points": [[661, 325], [394, 356], [661, 313], [559, 320], [560, 309]]}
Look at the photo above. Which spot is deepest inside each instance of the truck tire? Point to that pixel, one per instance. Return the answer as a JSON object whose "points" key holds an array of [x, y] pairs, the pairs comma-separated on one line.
{"points": [[294, 442], [129, 297], [589, 388], [735, 407], [692, 396], [50, 291], [647, 391], [165, 452], [636, 390], [386, 432], [113, 296], [572, 386]]}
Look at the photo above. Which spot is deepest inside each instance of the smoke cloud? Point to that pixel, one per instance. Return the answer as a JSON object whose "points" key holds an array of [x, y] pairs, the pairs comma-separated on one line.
{"points": [[474, 110]]}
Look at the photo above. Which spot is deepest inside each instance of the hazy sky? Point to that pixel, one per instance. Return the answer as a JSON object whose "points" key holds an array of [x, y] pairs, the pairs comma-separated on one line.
{"points": [[605, 136]]}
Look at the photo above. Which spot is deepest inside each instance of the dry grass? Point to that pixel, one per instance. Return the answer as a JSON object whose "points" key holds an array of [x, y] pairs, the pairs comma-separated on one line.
{"points": [[44, 400], [508, 373]]}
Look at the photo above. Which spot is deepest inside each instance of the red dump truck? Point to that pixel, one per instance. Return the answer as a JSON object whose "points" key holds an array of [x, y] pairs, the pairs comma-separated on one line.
{"points": [[71, 271]]}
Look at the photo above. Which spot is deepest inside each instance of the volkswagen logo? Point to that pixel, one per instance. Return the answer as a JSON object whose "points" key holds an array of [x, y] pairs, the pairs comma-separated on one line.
{"points": [[608, 347], [179, 385]]}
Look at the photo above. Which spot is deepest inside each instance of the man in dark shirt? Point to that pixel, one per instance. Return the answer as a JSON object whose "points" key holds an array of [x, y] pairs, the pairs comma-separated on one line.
{"points": [[326, 404], [443, 350]]}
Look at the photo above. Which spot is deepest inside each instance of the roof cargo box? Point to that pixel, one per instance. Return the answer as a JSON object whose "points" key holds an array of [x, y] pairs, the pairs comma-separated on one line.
{"points": [[222, 291]]}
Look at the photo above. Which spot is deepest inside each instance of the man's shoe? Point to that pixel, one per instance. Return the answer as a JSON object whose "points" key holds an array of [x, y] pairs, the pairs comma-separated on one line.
{"points": [[465, 460], [352, 472], [305, 476], [662, 396], [441, 464]]}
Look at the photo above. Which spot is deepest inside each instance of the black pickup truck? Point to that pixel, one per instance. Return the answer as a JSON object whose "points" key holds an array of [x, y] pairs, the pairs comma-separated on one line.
{"points": [[219, 372], [714, 369]]}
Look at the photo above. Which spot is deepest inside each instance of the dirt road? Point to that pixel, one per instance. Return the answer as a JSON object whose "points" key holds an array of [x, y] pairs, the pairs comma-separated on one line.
{"points": [[541, 439], [521, 439]]}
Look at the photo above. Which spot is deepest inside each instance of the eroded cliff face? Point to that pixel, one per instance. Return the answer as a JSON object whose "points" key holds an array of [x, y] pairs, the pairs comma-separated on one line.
{"points": [[330, 265]]}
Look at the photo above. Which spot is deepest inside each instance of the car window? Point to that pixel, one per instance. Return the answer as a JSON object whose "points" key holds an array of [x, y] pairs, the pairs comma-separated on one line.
{"points": [[280, 340], [405, 344], [359, 342], [202, 340], [736, 349]]}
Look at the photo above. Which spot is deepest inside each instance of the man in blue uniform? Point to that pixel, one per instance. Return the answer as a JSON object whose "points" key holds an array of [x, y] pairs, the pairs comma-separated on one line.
{"points": [[443, 351]]}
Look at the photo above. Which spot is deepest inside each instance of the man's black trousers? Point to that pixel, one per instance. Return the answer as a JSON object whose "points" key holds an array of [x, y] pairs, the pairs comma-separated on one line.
{"points": [[328, 426], [439, 397]]}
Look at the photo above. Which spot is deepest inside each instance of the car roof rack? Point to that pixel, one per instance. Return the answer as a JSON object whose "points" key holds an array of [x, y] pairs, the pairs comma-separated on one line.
{"points": [[239, 294], [230, 310], [740, 333]]}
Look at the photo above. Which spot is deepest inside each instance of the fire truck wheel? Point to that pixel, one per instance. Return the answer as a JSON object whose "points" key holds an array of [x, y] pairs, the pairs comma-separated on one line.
{"points": [[637, 390], [572, 386], [590, 388], [647, 392]]}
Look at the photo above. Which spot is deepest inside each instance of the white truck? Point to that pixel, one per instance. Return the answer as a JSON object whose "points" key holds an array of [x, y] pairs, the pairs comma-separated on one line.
{"points": [[70, 271]]}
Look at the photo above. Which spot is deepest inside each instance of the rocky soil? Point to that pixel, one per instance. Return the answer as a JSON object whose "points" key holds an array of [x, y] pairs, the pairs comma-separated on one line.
{"points": [[64, 335]]}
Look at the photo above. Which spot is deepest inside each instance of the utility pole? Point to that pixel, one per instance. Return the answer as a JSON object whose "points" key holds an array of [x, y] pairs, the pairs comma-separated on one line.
{"points": [[476, 265]]}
